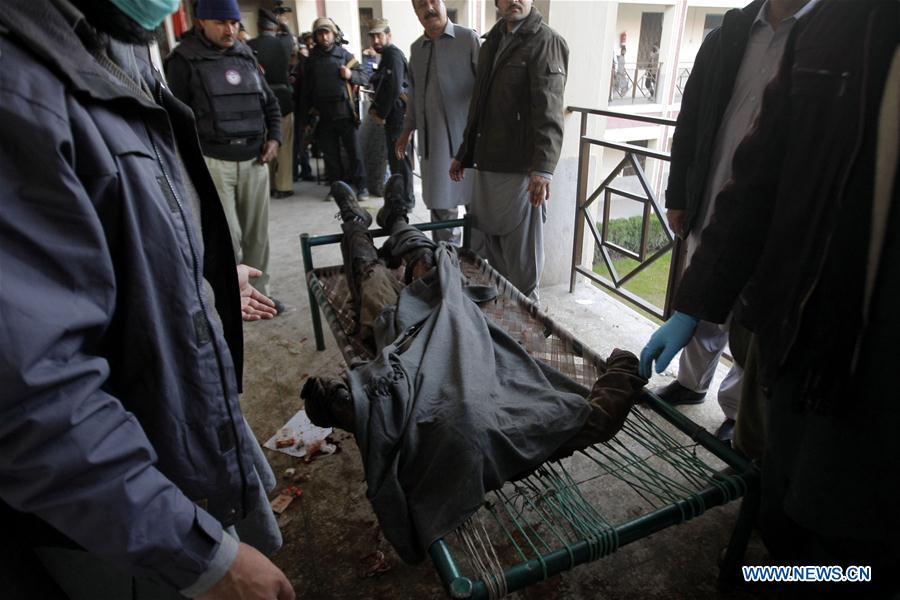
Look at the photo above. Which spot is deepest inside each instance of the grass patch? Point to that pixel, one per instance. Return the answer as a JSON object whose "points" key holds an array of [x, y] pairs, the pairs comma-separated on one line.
{"points": [[650, 284]]}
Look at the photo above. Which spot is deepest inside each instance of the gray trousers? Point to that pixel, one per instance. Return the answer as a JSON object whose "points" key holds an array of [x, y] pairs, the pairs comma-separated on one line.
{"points": [[244, 191], [698, 363], [507, 230], [452, 236], [518, 256]]}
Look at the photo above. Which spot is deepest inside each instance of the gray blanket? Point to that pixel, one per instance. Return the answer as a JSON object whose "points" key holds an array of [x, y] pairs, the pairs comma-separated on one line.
{"points": [[451, 407]]}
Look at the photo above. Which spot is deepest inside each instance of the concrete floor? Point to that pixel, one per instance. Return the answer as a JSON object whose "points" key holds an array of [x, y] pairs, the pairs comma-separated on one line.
{"points": [[330, 529]]}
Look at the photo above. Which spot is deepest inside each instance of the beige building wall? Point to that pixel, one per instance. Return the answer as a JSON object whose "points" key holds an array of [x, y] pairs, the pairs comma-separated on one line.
{"points": [[628, 21], [465, 14], [249, 15], [405, 26], [306, 12], [693, 31], [582, 24]]}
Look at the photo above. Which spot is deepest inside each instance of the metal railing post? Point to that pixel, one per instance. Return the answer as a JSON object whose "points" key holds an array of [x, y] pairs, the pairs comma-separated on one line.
{"points": [[306, 251], [584, 158]]}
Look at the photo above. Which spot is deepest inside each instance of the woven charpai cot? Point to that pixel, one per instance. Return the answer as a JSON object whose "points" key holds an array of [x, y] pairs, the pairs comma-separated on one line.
{"points": [[661, 469]]}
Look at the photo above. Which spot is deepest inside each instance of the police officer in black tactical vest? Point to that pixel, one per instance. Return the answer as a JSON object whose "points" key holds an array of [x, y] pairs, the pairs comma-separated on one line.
{"points": [[391, 82], [238, 121], [274, 53], [326, 92]]}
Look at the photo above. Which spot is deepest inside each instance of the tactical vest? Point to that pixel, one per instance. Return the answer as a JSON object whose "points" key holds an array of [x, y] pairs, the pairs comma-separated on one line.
{"points": [[329, 87], [233, 87], [227, 93]]}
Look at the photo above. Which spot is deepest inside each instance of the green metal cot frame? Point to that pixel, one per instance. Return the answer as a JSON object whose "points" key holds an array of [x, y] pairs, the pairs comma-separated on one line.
{"points": [[564, 559], [524, 574]]}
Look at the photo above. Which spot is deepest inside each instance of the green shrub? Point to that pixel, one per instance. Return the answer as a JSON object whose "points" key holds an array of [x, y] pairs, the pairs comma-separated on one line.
{"points": [[627, 233]]}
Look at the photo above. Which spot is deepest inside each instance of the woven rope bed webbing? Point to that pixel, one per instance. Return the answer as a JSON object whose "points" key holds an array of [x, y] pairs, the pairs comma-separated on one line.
{"points": [[512, 311], [649, 464]]}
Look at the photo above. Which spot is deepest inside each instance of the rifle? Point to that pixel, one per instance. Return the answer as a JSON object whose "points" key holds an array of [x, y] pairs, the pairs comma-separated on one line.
{"points": [[352, 63]]}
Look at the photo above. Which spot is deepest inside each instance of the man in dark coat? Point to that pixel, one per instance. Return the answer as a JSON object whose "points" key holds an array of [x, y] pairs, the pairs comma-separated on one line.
{"points": [[721, 101], [326, 92], [125, 461], [513, 139], [451, 406], [274, 54], [389, 103], [805, 239]]}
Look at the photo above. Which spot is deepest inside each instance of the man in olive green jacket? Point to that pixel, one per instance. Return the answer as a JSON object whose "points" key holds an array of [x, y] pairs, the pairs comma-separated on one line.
{"points": [[513, 139]]}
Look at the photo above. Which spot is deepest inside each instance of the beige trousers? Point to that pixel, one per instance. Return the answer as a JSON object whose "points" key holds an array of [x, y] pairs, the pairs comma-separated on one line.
{"points": [[281, 170], [244, 191]]}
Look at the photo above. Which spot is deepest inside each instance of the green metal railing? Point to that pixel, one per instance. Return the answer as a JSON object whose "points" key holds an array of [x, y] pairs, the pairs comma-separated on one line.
{"points": [[652, 209]]}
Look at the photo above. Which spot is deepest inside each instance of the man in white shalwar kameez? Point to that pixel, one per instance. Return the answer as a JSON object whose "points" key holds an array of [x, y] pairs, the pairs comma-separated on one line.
{"points": [[442, 74]]}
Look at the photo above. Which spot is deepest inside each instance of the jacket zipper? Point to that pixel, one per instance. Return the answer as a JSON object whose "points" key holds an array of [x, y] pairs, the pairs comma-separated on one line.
{"points": [[195, 261]]}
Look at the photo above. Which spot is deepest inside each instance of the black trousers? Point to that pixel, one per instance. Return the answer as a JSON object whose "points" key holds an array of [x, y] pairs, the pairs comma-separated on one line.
{"points": [[301, 151], [392, 131], [332, 135]]}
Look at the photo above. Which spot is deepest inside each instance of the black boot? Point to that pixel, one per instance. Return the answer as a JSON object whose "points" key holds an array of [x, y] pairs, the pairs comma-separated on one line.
{"points": [[328, 403], [394, 208], [345, 198]]}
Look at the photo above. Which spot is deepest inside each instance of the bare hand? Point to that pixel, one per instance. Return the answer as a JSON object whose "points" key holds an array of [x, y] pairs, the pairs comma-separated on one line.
{"points": [[675, 216], [457, 171], [373, 114], [538, 190], [254, 304], [269, 151], [346, 73], [251, 576], [402, 144]]}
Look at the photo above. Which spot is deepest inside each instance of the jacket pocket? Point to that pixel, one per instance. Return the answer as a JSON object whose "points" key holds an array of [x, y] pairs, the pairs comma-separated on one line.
{"points": [[824, 83], [554, 68]]}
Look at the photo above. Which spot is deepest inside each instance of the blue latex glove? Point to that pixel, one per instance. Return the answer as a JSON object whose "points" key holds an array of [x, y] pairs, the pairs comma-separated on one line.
{"points": [[672, 336]]}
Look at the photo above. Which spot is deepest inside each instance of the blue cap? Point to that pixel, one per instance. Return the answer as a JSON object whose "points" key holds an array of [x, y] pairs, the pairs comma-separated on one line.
{"points": [[218, 10]]}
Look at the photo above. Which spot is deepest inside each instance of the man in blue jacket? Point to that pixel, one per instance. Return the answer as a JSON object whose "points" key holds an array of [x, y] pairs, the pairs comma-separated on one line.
{"points": [[125, 461]]}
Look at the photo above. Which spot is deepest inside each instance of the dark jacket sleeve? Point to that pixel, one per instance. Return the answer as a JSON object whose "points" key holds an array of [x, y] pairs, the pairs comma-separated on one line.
{"points": [[69, 452], [305, 93], [272, 111], [178, 77], [390, 83], [359, 75], [730, 246], [684, 140], [547, 86], [482, 73]]}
